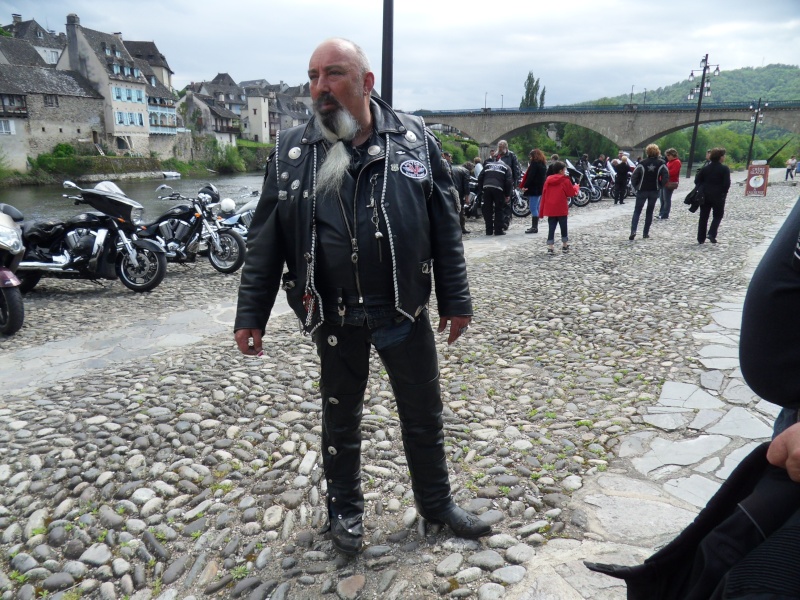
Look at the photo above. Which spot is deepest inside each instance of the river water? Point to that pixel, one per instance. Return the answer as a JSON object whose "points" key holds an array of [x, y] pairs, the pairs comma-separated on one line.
{"points": [[46, 201]]}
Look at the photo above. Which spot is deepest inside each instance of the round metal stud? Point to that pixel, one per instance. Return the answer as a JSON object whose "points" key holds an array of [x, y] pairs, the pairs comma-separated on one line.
{"points": [[295, 184], [333, 400], [285, 176], [374, 150], [410, 136], [331, 450], [295, 152], [332, 341]]}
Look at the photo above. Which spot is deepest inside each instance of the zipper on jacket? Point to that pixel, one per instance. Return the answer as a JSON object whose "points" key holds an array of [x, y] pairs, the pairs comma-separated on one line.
{"points": [[373, 179]]}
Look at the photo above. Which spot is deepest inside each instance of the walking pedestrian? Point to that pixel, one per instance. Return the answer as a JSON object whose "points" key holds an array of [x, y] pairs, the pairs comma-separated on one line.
{"points": [[554, 205], [791, 165], [532, 184], [647, 179], [336, 189], [674, 168], [495, 185], [715, 177], [478, 166]]}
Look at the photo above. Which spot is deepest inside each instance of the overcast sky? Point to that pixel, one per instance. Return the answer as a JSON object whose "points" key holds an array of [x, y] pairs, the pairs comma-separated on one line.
{"points": [[451, 54]]}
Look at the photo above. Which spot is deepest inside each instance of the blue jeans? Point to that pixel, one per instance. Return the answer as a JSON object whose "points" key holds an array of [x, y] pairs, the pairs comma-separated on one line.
{"points": [[551, 229], [641, 197], [666, 203], [533, 204]]}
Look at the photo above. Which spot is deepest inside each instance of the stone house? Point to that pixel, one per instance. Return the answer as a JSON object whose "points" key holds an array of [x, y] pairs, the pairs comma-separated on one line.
{"points": [[19, 53], [41, 107], [148, 51], [224, 91], [103, 59], [271, 108], [47, 44], [208, 116]]}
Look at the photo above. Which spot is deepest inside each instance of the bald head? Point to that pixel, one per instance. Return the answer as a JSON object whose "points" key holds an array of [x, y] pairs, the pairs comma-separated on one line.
{"points": [[340, 79]]}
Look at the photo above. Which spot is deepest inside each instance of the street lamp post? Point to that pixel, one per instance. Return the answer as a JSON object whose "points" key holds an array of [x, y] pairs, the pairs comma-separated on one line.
{"points": [[485, 95], [645, 95], [757, 119], [631, 101], [501, 101], [704, 89]]}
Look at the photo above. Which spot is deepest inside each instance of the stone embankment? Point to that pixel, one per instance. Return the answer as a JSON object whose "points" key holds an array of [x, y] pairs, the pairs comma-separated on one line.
{"points": [[173, 467]]}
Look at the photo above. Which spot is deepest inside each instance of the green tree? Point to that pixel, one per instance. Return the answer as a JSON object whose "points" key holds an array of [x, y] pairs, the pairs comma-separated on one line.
{"points": [[533, 98]]}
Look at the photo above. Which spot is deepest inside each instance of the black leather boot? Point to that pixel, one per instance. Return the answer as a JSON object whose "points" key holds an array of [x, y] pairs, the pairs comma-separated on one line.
{"points": [[424, 448], [534, 225]]}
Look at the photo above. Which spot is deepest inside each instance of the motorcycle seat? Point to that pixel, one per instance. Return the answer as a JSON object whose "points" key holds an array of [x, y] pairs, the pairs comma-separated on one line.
{"points": [[12, 212]]}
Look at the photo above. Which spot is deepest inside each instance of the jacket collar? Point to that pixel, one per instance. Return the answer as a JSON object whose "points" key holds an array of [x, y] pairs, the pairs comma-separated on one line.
{"points": [[384, 120]]}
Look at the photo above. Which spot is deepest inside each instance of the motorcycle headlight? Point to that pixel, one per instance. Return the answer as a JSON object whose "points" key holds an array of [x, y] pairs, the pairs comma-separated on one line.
{"points": [[136, 215], [10, 238]]}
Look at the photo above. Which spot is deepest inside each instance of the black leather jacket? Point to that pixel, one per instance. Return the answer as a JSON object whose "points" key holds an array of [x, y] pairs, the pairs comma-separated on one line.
{"points": [[416, 203]]}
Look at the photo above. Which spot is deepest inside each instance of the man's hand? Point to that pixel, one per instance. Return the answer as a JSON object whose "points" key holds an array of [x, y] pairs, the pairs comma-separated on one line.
{"points": [[249, 341], [458, 325], [784, 451]]}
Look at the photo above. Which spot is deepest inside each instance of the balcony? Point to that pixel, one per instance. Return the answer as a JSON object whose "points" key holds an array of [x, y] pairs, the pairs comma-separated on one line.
{"points": [[227, 129], [165, 129], [18, 112]]}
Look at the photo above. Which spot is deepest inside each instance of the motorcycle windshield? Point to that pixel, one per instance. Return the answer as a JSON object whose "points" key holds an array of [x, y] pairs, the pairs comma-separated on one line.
{"points": [[249, 206], [111, 204]]}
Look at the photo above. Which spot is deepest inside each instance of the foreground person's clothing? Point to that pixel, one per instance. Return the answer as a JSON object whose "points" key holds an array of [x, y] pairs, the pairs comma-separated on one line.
{"points": [[360, 263]]}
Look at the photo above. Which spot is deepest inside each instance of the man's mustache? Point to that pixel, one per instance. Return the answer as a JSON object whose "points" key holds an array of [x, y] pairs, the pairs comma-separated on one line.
{"points": [[326, 98]]}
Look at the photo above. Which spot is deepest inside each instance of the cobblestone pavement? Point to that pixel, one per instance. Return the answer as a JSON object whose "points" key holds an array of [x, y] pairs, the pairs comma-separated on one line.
{"points": [[593, 407]]}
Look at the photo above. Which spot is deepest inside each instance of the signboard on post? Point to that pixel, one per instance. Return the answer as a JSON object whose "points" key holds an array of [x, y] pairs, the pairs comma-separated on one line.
{"points": [[757, 178]]}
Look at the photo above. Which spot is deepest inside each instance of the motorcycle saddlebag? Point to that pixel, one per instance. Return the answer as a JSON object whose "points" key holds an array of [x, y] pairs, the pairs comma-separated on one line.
{"points": [[41, 233]]}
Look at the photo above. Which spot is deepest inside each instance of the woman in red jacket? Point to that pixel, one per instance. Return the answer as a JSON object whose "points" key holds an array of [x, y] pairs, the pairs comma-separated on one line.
{"points": [[674, 168], [554, 204]]}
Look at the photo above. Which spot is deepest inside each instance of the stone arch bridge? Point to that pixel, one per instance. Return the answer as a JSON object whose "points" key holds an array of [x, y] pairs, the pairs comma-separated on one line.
{"points": [[629, 126]]}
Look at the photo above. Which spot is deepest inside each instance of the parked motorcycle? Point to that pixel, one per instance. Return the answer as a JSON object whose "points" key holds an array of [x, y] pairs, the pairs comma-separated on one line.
{"points": [[12, 311], [93, 245], [582, 199], [519, 204], [238, 219], [190, 228], [473, 209]]}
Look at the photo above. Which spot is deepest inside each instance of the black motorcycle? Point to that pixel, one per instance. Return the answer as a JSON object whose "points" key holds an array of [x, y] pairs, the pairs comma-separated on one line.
{"points": [[191, 228], [93, 245], [12, 311]]}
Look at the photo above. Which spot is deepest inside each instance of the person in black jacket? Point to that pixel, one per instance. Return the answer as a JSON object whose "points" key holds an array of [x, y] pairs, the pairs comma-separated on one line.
{"points": [[357, 208], [508, 157], [715, 177], [622, 170], [648, 178], [495, 184], [461, 182], [532, 184]]}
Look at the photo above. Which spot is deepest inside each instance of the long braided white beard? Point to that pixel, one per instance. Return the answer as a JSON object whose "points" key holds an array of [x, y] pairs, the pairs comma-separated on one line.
{"points": [[338, 128]]}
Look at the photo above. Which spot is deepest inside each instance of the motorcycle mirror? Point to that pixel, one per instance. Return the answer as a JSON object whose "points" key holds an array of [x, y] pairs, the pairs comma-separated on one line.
{"points": [[69, 184], [163, 186]]}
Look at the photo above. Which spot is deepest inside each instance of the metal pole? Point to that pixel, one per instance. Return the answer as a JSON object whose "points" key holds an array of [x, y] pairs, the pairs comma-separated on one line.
{"points": [[753, 137], [631, 102], [485, 95], [387, 64], [697, 118]]}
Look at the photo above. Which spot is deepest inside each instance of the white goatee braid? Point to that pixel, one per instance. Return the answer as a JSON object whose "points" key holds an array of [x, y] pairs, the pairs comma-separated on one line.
{"points": [[338, 127]]}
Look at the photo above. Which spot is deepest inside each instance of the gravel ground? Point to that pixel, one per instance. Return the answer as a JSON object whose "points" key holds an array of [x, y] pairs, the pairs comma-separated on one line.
{"points": [[197, 472]]}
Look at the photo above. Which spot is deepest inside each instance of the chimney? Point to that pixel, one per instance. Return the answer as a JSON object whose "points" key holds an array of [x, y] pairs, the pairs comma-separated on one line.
{"points": [[118, 34], [73, 23], [16, 18]]}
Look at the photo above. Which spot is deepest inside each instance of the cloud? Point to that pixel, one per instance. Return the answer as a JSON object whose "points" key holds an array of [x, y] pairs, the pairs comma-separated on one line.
{"points": [[450, 55]]}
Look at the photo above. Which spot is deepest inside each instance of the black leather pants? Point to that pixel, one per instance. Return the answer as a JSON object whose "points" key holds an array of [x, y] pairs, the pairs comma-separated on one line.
{"points": [[413, 371]]}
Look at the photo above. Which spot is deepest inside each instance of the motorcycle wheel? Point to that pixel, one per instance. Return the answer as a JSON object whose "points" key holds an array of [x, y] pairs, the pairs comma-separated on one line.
{"points": [[12, 311], [595, 195], [28, 280], [232, 256], [519, 206], [582, 199], [147, 274]]}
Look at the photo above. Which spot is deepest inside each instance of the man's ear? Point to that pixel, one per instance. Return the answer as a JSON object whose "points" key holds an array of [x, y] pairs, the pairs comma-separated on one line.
{"points": [[369, 83]]}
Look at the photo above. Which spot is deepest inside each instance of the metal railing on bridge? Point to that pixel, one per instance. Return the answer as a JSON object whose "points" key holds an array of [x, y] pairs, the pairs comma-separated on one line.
{"points": [[736, 106]]}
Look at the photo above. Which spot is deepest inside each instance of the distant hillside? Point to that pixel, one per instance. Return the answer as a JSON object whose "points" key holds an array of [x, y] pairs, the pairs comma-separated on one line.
{"points": [[773, 82]]}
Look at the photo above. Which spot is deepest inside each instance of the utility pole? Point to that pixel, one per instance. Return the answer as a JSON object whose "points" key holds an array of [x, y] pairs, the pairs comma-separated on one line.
{"points": [[387, 63]]}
